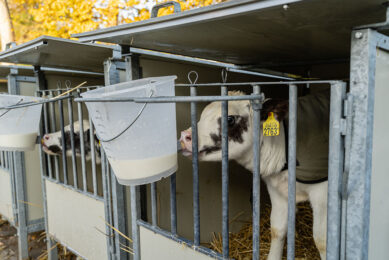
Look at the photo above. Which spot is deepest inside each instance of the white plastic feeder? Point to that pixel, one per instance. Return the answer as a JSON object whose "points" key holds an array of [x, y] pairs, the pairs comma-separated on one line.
{"points": [[147, 150], [19, 126]]}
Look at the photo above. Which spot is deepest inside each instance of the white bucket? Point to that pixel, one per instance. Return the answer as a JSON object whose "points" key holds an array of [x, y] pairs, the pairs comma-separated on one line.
{"points": [[147, 150], [19, 127]]}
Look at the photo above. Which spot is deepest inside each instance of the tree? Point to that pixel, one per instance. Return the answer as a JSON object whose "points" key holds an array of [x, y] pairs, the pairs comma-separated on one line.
{"points": [[6, 31], [61, 18]]}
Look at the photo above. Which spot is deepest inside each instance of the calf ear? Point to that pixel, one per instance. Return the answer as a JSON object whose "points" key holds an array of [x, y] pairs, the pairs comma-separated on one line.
{"points": [[279, 107]]}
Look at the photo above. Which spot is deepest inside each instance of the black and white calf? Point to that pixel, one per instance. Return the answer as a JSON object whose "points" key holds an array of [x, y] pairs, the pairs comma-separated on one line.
{"points": [[52, 143], [312, 156]]}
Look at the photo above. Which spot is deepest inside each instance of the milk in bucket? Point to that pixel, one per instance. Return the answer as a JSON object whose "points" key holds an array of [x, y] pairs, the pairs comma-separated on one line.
{"points": [[147, 150]]}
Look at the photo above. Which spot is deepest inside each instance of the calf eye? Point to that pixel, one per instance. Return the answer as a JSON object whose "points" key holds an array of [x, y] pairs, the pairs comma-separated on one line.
{"points": [[231, 120]]}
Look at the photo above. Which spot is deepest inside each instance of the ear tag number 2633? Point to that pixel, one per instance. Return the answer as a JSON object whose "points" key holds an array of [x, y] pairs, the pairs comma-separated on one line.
{"points": [[271, 127]]}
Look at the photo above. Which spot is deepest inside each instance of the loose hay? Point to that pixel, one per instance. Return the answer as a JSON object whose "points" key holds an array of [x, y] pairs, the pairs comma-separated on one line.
{"points": [[241, 242]]}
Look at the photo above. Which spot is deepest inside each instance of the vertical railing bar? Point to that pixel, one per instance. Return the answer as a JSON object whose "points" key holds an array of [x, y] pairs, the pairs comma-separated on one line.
{"points": [[72, 145], [105, 196], [46, 130], [225, 177], [2, 159], [110, 209], [134, 224], [93, 154], [195, 169], [63, 141], [153, 188], [292, 171], [82, 145], [173, 205], [256, 173], [53, 129], [335, 169]]}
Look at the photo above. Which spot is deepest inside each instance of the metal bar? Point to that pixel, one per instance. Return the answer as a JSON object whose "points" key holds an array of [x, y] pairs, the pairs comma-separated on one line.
{"points": [[134, 225], [195, 168], [46, 127], [349, 116], [21, 206], [53, 129], [335, 170], [181, 240], [171, 99], [292, 171], [285, 83], [52, 252], [173, 205], [362, 85], [256, 173], [63, 141], [33, 103], [93, 154], [106, 197], [225, 177], [82, 145], [72, 145], [153, 188]]}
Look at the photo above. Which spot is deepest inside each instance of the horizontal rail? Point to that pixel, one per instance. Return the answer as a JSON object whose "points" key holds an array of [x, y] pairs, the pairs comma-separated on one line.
{"points": [[32, 103], [261, 83], [172, 99]]}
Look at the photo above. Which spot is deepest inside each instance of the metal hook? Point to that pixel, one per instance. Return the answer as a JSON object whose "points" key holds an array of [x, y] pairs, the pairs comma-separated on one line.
{"points": [[59, 84], [224, 75], [196, 77], [68, 83]]}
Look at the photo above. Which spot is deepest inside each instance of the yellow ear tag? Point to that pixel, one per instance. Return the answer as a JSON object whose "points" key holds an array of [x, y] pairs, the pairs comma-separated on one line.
{"points": [[99, 143], [271, 127]]}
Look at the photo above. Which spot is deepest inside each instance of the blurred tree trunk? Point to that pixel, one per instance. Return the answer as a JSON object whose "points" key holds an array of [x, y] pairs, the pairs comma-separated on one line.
{"points": [[6, 31]]}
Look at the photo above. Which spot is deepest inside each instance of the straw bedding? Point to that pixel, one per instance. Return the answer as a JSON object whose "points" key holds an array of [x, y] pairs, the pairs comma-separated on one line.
{"points": [[241, 242]]}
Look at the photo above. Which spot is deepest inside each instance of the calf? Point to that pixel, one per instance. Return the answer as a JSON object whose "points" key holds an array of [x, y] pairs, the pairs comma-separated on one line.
{"points": [[52, 143], [312, 156]]}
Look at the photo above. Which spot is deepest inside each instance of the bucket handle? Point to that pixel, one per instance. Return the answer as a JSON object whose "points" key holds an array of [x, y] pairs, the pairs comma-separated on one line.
{"points": [[10, 108], [133, 122]]}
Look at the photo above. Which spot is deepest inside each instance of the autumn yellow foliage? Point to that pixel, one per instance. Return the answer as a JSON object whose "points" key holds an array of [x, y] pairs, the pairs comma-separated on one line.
{"points": [[61, 18]]}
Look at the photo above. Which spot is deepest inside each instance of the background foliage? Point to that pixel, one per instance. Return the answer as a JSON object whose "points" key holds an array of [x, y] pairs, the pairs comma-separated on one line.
{"points": [[61, 18]]}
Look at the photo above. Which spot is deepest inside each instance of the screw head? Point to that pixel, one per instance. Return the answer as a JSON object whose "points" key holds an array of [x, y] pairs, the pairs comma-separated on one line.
{"points": [[285, 7], [358, 35]]}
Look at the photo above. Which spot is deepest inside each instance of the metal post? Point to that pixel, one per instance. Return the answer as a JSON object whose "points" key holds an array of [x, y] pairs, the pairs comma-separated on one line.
{"points": [[63, 141], [362, 83], [335, 171], [225, 177], [53, 129], [153, 188], [93, 155], [82, 145], [111, 76], [256, 105], [52, 252], [134, 224], [72, 145], [195, 169], [173, 205], [106, 197], [292, 171]]}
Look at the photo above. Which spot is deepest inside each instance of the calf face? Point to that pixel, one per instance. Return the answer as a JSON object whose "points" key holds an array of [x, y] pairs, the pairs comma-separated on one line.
{"points": [[52, 143], [240, 132], [209, 131]]}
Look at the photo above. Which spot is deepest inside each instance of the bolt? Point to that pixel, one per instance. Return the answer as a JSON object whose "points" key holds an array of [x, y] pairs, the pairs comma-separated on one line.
{"points": [[286, 7], [358, 35]]}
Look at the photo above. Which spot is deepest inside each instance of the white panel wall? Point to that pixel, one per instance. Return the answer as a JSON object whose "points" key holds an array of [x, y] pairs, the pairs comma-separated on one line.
{"points": [[379, 213], [5, 195], [155, 246], [76, 221]]}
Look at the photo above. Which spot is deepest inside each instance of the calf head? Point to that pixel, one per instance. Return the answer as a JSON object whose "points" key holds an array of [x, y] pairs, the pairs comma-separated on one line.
{"points": [[52, 143], [240, 130]]}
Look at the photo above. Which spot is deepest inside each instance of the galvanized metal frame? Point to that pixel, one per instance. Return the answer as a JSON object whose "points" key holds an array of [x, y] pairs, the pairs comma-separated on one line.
{"points": [[358, 165], [335, 166]]}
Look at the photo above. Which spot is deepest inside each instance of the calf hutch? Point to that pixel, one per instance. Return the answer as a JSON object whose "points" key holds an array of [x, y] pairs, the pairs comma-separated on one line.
{"points": [[285, 91]]}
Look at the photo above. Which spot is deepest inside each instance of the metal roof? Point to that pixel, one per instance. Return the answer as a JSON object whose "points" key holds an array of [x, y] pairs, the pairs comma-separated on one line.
{"points": [[59, 53], [252, 32]]}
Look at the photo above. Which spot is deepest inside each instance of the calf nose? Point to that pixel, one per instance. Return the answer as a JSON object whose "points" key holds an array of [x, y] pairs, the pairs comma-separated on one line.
{"points": [[46, 137], [186, 140]]}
